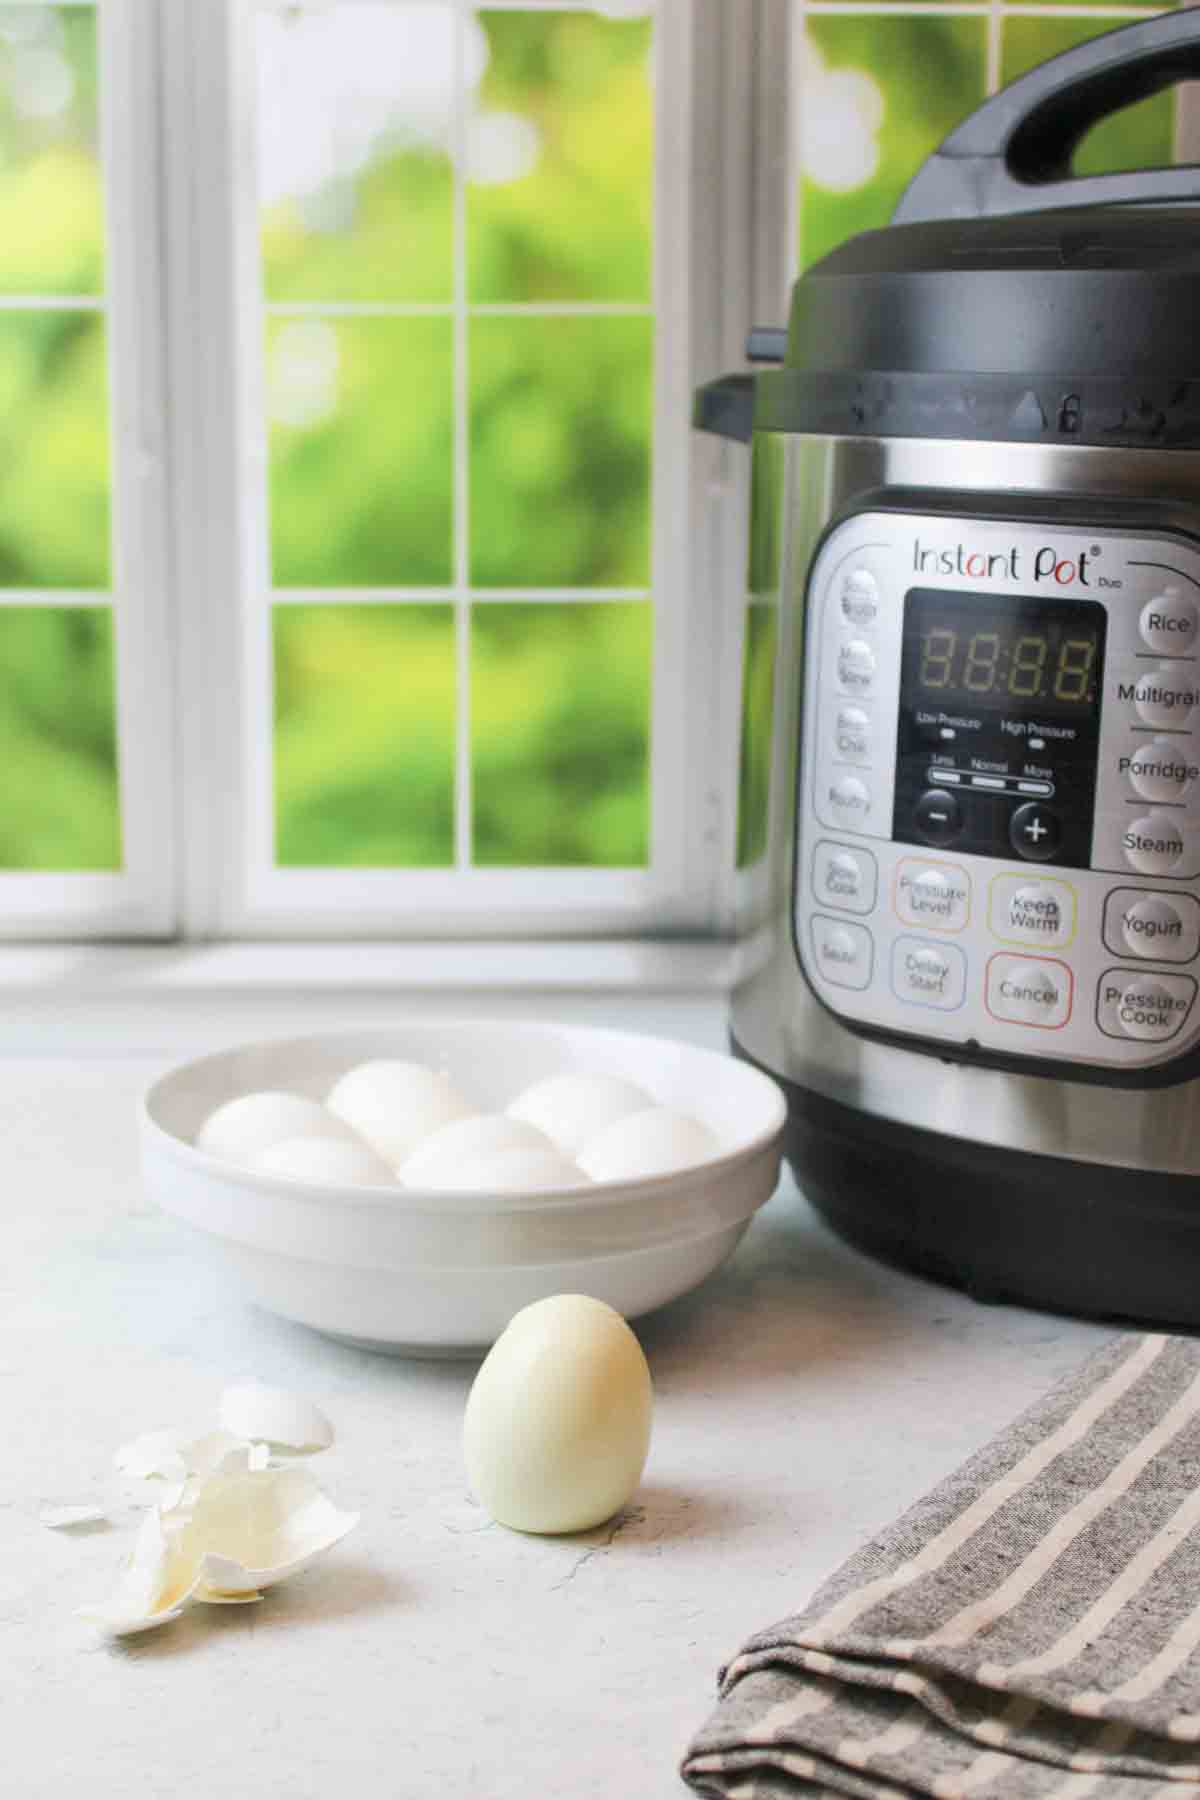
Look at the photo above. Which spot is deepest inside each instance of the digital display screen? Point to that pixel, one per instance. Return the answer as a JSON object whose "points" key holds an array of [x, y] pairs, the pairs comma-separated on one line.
{"points": [[1024, 656]]}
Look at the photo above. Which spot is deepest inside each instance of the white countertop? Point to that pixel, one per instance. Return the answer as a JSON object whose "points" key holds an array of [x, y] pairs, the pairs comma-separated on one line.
{"points": [[804, 1396]]}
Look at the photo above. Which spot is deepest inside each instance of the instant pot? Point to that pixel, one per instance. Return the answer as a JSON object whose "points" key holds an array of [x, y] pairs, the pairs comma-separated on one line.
{"points": [[977, 508]]}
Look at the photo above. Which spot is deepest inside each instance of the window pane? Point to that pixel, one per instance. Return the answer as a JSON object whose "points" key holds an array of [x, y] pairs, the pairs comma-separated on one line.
{"points": [[51, 223], [59, 805], [355, 116], [1138, 137], [54, 480], [560, 733], [560, 159], [361, 460], [364, 736], [879, 93], [758, 707], [560, 451]]}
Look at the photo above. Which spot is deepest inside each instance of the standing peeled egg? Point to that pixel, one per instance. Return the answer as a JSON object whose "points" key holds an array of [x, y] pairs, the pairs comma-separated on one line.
{"points": [[393, 1105], [558, 1420]]}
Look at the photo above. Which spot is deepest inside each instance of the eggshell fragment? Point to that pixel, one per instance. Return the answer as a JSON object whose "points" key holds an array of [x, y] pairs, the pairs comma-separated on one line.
{"points": [[512, 1171], [445, 1149], [393, 1105], [557, 1424], [572, 1108], [326, 1160], [251, 1410], [154, 1588], [248, 1532], [655, 1142], [70, 1518], [154, 1455], [243, 1128]]}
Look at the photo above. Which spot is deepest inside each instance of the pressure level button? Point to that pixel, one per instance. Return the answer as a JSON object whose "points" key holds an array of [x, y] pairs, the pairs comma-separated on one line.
{"points": [[860, 598], [1168, 623]]}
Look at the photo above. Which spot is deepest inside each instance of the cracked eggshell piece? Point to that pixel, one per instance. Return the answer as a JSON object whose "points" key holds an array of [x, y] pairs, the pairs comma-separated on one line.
{"points": [[243, 1128], [155, 1455], [154, 1588], [655, 1142], [510, 1171], [68, 1517], [329, 1161], [394, 1105], [570, 1109], [258, 1414], [557, 1426], [249, 1532], [444, 1150]]}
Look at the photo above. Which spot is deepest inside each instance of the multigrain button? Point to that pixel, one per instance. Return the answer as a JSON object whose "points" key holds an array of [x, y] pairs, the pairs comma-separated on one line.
{"points": [[860, 597], [1153, 844], [852, 733], [928, 974], [844, 878], [1168, 623], [1159, 770], [1022, 910], [1164, 696], [935, 895], [843, 952], [856, 667], [849, 801], [1149, 1007], [1029, 991], [1159, 927]]}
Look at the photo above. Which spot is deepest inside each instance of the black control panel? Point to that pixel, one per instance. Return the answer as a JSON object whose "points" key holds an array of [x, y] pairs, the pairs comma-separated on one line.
{"points": [[999, 725]]}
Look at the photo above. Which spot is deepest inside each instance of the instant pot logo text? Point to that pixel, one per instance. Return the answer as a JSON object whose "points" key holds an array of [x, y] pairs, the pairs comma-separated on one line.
{"points": [[1046, 565]]}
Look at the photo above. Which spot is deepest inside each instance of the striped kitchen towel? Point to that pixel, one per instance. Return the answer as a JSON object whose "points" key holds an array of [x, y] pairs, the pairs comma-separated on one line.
{"points": [[1029, 1629]]}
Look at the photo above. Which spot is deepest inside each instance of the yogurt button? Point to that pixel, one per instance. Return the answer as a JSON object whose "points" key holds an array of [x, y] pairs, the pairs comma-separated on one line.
{"points": [[1168, 623], [860, 597], [852, 733], [1152, 927], [1164, 696], [1153, 844], [1159, 770], [856, 666]]}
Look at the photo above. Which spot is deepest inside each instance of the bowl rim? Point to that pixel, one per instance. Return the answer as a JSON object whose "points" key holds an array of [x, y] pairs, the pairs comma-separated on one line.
{"points": [[375, 1195]]}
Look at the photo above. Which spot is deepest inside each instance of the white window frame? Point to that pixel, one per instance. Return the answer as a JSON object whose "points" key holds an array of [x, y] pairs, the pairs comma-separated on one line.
{"points": [[139, 899], [706, 78]]}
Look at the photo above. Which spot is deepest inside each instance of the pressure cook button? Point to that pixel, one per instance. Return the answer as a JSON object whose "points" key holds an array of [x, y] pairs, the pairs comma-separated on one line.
{"points": [[844, 878], [856, 667], [1148, 1007], [1164, 696], [936, 895], [849, 801], [1035, 831], [1159, 771], [852, 733], [925, 974], [860, 597], [1153, 844], [938, 816], [1159, 927], [1168, 623], [1029, 991], [843, 952]]}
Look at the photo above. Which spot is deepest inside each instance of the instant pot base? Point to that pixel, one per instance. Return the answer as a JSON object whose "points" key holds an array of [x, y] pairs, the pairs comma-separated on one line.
{"points": [[1044, 1231]]}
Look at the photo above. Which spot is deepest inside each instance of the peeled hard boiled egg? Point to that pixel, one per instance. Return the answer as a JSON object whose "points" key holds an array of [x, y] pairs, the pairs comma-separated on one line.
{"points": [[327, 1160], [243, 1128], [446, 1149], [511, 1171], [654, 1142], [558, 1419], [570, 1109], [393, 1105]]}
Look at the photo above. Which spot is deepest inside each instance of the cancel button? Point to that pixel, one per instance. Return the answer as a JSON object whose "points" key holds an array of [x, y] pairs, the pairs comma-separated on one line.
{"points": [[1029, 990]]}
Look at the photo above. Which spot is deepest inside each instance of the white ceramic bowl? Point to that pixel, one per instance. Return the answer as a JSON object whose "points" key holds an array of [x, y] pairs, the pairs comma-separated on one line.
{"points": [[441, 1273]]}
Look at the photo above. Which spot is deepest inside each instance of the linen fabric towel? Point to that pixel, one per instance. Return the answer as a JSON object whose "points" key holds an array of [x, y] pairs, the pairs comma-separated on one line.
{"points": [[1028, 1631]]}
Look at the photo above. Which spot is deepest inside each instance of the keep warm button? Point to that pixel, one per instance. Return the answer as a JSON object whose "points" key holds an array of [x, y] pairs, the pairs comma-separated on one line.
{"points": [[1028, 990], [1151, 1007]]}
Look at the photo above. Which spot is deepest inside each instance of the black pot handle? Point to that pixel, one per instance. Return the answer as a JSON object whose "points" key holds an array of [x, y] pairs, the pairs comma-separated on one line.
{"points": [[1014, 153]]}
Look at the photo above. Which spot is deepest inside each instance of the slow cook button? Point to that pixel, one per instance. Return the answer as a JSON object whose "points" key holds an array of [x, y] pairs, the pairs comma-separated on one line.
{"points": [[1141, 1005], [936, 895], [1023, 910], [843, 952], [844, 878], [1153, 844], [1163, 696], [1159, 927], [928, 974], [1168, 623], [1029, 991], [856, 667]]}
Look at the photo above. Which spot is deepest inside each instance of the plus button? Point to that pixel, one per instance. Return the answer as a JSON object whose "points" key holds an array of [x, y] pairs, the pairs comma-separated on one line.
{"points": [[1035, 831]]}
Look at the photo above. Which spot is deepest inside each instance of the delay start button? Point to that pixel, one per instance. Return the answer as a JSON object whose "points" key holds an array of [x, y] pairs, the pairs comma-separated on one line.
{"points": [[1150, 1007], [1030, 991], [928, 974]]}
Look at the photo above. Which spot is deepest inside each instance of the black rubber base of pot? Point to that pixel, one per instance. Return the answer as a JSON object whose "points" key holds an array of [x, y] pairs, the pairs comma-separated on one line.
{"points": [[1005, 1225]]}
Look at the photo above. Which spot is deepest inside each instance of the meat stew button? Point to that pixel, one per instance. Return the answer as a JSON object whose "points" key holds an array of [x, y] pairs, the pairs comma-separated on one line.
{"points": [[1029, 991]]}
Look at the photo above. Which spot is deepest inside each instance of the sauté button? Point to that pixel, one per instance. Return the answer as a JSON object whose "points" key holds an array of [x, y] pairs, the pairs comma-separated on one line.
{"points": [[844, 878], [1159, 927], [1164, 696], [1029, 991], [849, 800], [1149, 1007], [843, 952], [856, 666], [925, 974], [938, 816], [860, 597], [1168, 623], [1035, 831], [1031, 912], [1153, 844], [852, 733], [1159, 771], [936, 895]]}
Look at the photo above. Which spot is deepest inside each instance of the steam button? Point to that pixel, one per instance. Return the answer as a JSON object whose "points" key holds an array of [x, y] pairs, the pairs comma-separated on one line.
{"points": [[860, 598], [938, 816], [1168, 623], [1165, 696], [1153, 844]]}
